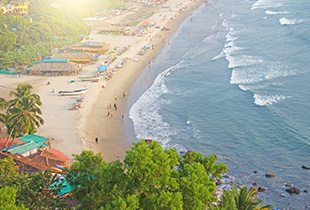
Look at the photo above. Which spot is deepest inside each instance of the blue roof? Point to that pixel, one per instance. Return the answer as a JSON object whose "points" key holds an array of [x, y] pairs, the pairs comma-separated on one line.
{"points": [[103, 67], [67, 188], [34, 138]]}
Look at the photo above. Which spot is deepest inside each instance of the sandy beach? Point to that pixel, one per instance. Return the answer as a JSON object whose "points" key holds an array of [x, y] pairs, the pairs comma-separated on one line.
{"points": [[72, 131]]}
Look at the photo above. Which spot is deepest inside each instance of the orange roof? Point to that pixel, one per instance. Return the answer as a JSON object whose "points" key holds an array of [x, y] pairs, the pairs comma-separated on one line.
{"points": [[3, 141], [58, 154], [26, 165], [145, 22]]}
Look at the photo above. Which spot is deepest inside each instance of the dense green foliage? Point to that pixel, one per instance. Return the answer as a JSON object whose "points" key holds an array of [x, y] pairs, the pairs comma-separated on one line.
{"points": [[149, 178], [46, 27], [33, 191], [8, 199]]}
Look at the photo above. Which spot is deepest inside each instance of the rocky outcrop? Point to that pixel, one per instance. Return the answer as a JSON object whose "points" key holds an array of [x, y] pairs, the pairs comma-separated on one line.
{"points": [[293, 190], [271, 175], [305, 167], [261, 189], [218, 183]]}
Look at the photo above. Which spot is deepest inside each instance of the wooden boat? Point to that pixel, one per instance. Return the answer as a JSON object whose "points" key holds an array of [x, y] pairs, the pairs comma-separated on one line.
{"points": [[90, 78], [72, 92]]}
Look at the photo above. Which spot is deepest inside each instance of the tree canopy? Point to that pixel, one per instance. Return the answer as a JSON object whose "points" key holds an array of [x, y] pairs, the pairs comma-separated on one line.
{"points": [[149, 178]]}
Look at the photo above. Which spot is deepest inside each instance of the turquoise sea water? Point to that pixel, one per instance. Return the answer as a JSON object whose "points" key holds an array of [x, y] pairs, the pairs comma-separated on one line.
{"points": [[235, 81]]}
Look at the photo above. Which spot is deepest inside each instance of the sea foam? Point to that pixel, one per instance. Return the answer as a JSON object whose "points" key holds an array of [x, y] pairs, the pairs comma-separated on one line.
{"points": [[265, 100], [285, 21], [264, 4]]}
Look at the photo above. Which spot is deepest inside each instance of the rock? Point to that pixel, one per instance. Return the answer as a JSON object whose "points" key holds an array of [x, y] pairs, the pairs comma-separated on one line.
{"points": [[288, 185], [188, 152], [293, 190], [282, 195], [217, 157], [148, 141], [228, 159], [226, 176], [271, 175], [255, 172], [218, 183], [306, 191], [254, 184], [305, 167], [261, 189]]}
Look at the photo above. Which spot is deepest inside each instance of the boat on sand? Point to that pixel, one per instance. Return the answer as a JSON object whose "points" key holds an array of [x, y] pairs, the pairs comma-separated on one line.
{"points": [[90, 78], [72, 92]]}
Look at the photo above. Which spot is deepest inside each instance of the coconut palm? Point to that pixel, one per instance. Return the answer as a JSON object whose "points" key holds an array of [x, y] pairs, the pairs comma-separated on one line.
{"points": [[22, 115], [3, 106], [22, 90], [246, 200]]}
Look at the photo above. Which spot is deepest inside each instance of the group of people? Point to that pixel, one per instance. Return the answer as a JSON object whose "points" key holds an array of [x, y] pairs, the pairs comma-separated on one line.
{"points": [[109, 106]]}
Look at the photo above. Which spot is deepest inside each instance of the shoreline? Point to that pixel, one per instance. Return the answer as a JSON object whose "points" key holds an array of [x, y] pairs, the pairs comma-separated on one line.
{"points": [[111, 131]]}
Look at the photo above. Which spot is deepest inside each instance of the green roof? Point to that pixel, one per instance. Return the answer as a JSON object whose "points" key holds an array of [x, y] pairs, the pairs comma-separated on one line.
{"points": [[34, 138], [22, 148], [55, 60]]}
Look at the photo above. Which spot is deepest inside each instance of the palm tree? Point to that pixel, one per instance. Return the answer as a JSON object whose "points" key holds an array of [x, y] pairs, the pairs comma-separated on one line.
{"points": [[247, 200], [22, 115]]}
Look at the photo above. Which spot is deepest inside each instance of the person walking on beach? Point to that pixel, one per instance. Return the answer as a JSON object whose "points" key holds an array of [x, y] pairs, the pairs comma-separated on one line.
{"points": [[115, 97], [115, 107], [96, 140], [111, 114], [123, 118], [108, 114]]}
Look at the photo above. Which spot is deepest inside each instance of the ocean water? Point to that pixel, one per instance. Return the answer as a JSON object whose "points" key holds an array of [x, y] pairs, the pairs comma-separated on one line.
{"points": [[235, 81]]}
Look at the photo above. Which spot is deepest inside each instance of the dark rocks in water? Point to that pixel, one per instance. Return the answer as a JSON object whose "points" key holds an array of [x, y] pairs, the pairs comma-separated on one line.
{"points": [[306, 191], [305, 167], [148, 141], [188, 152], [261, 189], [293, 190], [217, 157], [271, 175], [288, 185], [254, 184], [226, 176], [228, 159], [218, 183], [255, 172]]}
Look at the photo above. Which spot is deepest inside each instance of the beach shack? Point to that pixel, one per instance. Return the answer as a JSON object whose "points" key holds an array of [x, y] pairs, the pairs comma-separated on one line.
{"points": [[25, 149], [3, 143], [58, 155], [77, 57], [92, 47], [53, 67], [42, 141], [26, 165]]}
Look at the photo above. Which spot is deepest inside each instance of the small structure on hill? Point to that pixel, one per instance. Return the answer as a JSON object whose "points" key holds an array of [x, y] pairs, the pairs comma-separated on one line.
{"points": [[18, 7]]}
